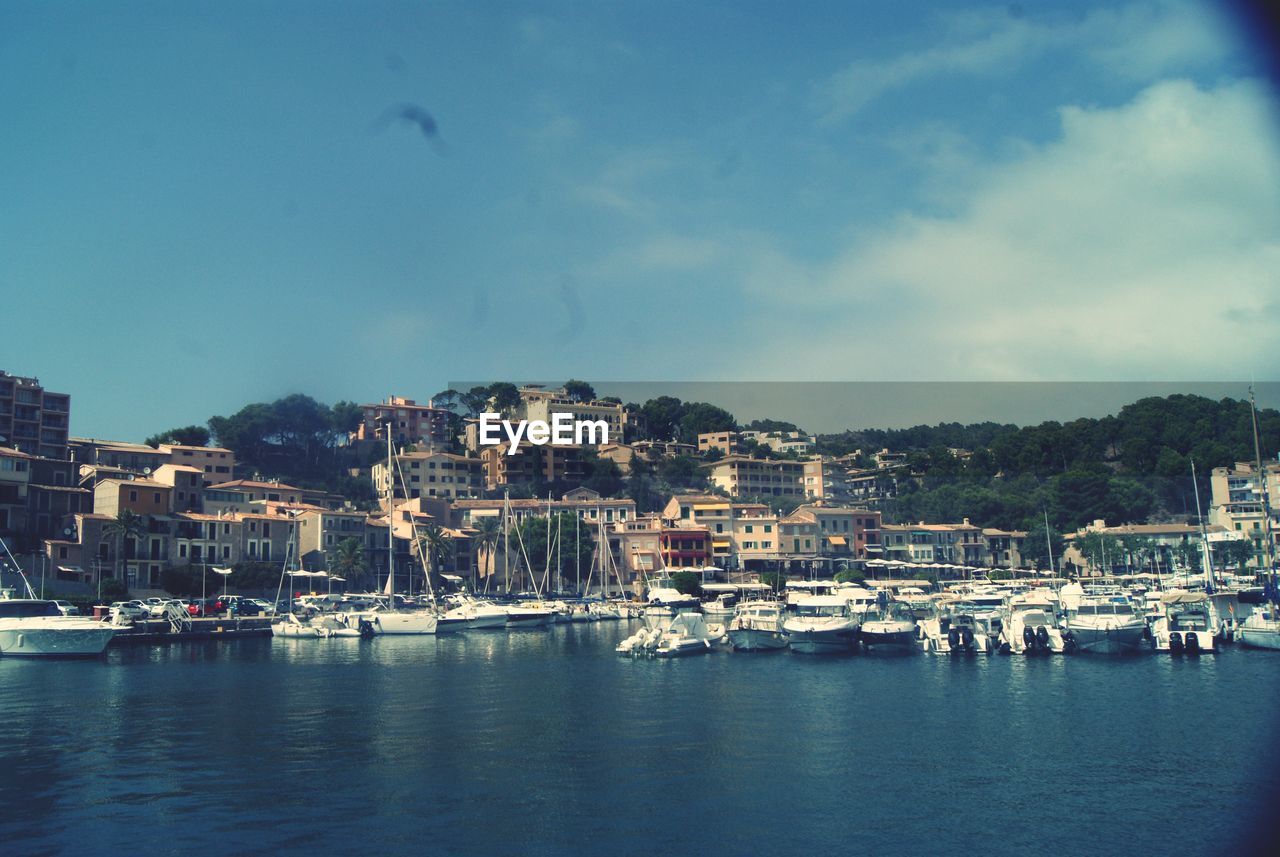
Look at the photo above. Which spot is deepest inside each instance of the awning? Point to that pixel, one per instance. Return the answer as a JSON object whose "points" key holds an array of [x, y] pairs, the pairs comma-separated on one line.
{"points": [[720, 543], [836, 540], [708, 507]]}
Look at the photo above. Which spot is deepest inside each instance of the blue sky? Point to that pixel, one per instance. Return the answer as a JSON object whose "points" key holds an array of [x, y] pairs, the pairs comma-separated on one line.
{"points": [[203, 195]]}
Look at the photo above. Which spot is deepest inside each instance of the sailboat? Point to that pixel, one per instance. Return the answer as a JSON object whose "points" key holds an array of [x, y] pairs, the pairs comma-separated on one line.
{"points": [[1261, 630], [386, 619]]}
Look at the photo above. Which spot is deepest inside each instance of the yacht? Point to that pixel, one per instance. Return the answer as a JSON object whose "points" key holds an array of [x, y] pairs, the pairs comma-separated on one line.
{"points": [[798, 590], [479, 615], [821, 624], [402, 623], [1031, 627], [1105, 624], [33, 627], [1185, 625], [758, 626], [1261, 629], [890, 627], [529, 614]]}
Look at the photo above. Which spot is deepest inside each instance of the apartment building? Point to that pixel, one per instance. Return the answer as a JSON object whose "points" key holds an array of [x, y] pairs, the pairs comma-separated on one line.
{"points": [[724, 442], [140, 496], [216, 463], [411, 423], [583, 502], [119, 454], [15, 479], [756, 477], [783, 441], [952, 544], [32, 419], [831, 533], [1236, 502], [555, 463], [538, 403], [431, 474]]}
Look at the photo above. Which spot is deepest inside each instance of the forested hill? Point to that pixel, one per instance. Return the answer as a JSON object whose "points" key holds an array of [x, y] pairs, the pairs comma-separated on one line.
{"points": [[1152, 437], [1130, 467]]}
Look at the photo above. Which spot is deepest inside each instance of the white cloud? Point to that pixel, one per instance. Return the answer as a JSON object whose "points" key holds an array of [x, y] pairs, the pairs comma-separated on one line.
{"points": [[1140, 42], [1143, 243]]}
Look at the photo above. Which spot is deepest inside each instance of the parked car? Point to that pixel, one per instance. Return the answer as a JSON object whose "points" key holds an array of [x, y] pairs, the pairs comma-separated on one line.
{"points": [[266, 607], [67, 608], [134, 610], [245, 607]]}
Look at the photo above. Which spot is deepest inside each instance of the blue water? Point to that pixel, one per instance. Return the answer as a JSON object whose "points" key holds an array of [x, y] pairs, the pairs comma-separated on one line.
{"points": [[546, 742]]}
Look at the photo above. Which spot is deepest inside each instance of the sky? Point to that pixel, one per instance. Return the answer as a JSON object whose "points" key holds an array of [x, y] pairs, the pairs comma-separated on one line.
{"points": [[207, 204]]}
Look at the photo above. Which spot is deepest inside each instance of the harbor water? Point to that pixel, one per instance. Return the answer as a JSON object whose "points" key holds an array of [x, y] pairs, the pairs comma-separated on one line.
{"points": [[546, 742]]}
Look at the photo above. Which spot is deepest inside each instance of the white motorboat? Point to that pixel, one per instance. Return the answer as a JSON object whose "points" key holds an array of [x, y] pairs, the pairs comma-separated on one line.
{"points": [[529, 615], [480, 615], [1185, 626], [799, 590], [822, 624], [33, 627], [1105, 625], [959, 627], [403, 623], [1031, 627], [758, 626], [1261, 629], [890, 628], [860, 599], [290, 626], [687, 634]]}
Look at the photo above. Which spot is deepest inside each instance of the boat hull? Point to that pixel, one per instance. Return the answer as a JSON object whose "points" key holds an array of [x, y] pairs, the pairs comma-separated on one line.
{"points": [[1107, 641], [404, 624], [896, 641], [757, 639], [822, 642], [61, 642], [1258, 638]]}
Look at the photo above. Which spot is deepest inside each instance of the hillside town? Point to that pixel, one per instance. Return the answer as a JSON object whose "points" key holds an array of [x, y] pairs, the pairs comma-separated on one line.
{"points": [[75, 511]]}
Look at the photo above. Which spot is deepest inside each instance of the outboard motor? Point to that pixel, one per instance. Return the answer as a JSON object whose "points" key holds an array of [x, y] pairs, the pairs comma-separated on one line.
{"points": [[1068, 642], [953, 638], [1029, 637], [1175, 642], [966, 638], [366, 629], [1192, 642], [1042, 637]]}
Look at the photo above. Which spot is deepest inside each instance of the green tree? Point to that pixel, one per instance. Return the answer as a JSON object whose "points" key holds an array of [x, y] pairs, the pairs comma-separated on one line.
{"points": [[505, 397], [579, 391], [488, 532], [185, 436], [1237, 552], [126, 527], [605, 477], [687, 583], [346, 417], [560, 544], [436, 546], [349, 561], [700, 417], [662, 416]]}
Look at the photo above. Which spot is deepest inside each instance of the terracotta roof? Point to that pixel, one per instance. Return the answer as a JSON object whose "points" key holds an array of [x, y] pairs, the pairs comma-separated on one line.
{"points": [[13, 453], [249, 483]]}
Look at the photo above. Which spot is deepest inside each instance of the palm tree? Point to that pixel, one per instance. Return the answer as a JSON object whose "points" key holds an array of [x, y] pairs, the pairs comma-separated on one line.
{"points": [[488, 532], [349, 560], [126, 525], [437, 546]]}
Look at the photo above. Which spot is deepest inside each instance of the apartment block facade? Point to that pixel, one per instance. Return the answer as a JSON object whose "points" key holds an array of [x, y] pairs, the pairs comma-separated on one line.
{"points": [[32, 419]]}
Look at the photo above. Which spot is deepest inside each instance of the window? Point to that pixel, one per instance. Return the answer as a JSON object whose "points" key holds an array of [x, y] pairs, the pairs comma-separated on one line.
{"points": [[133, 496], [155, 497]]}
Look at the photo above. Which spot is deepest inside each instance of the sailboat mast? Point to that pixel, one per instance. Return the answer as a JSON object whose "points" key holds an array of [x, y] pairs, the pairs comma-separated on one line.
{"points": [[506, 540], [577, 549], [391, 538], [1204, 533], [1266, 500], [1048, 542]]}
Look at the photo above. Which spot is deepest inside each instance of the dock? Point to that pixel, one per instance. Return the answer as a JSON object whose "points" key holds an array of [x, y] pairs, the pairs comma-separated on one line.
{"points": [[210, 628]]}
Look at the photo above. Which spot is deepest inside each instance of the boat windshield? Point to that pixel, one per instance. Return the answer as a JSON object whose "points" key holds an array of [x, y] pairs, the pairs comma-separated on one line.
{"points": [[820, 610], [28, 609]]}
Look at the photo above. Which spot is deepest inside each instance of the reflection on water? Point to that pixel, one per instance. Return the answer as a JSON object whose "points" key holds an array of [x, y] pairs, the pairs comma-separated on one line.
{"points": [[544, 741]]}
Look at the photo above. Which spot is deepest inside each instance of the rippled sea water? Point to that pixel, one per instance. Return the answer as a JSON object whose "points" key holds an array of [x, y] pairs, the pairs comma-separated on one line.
{"points": [[546, 742]]}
